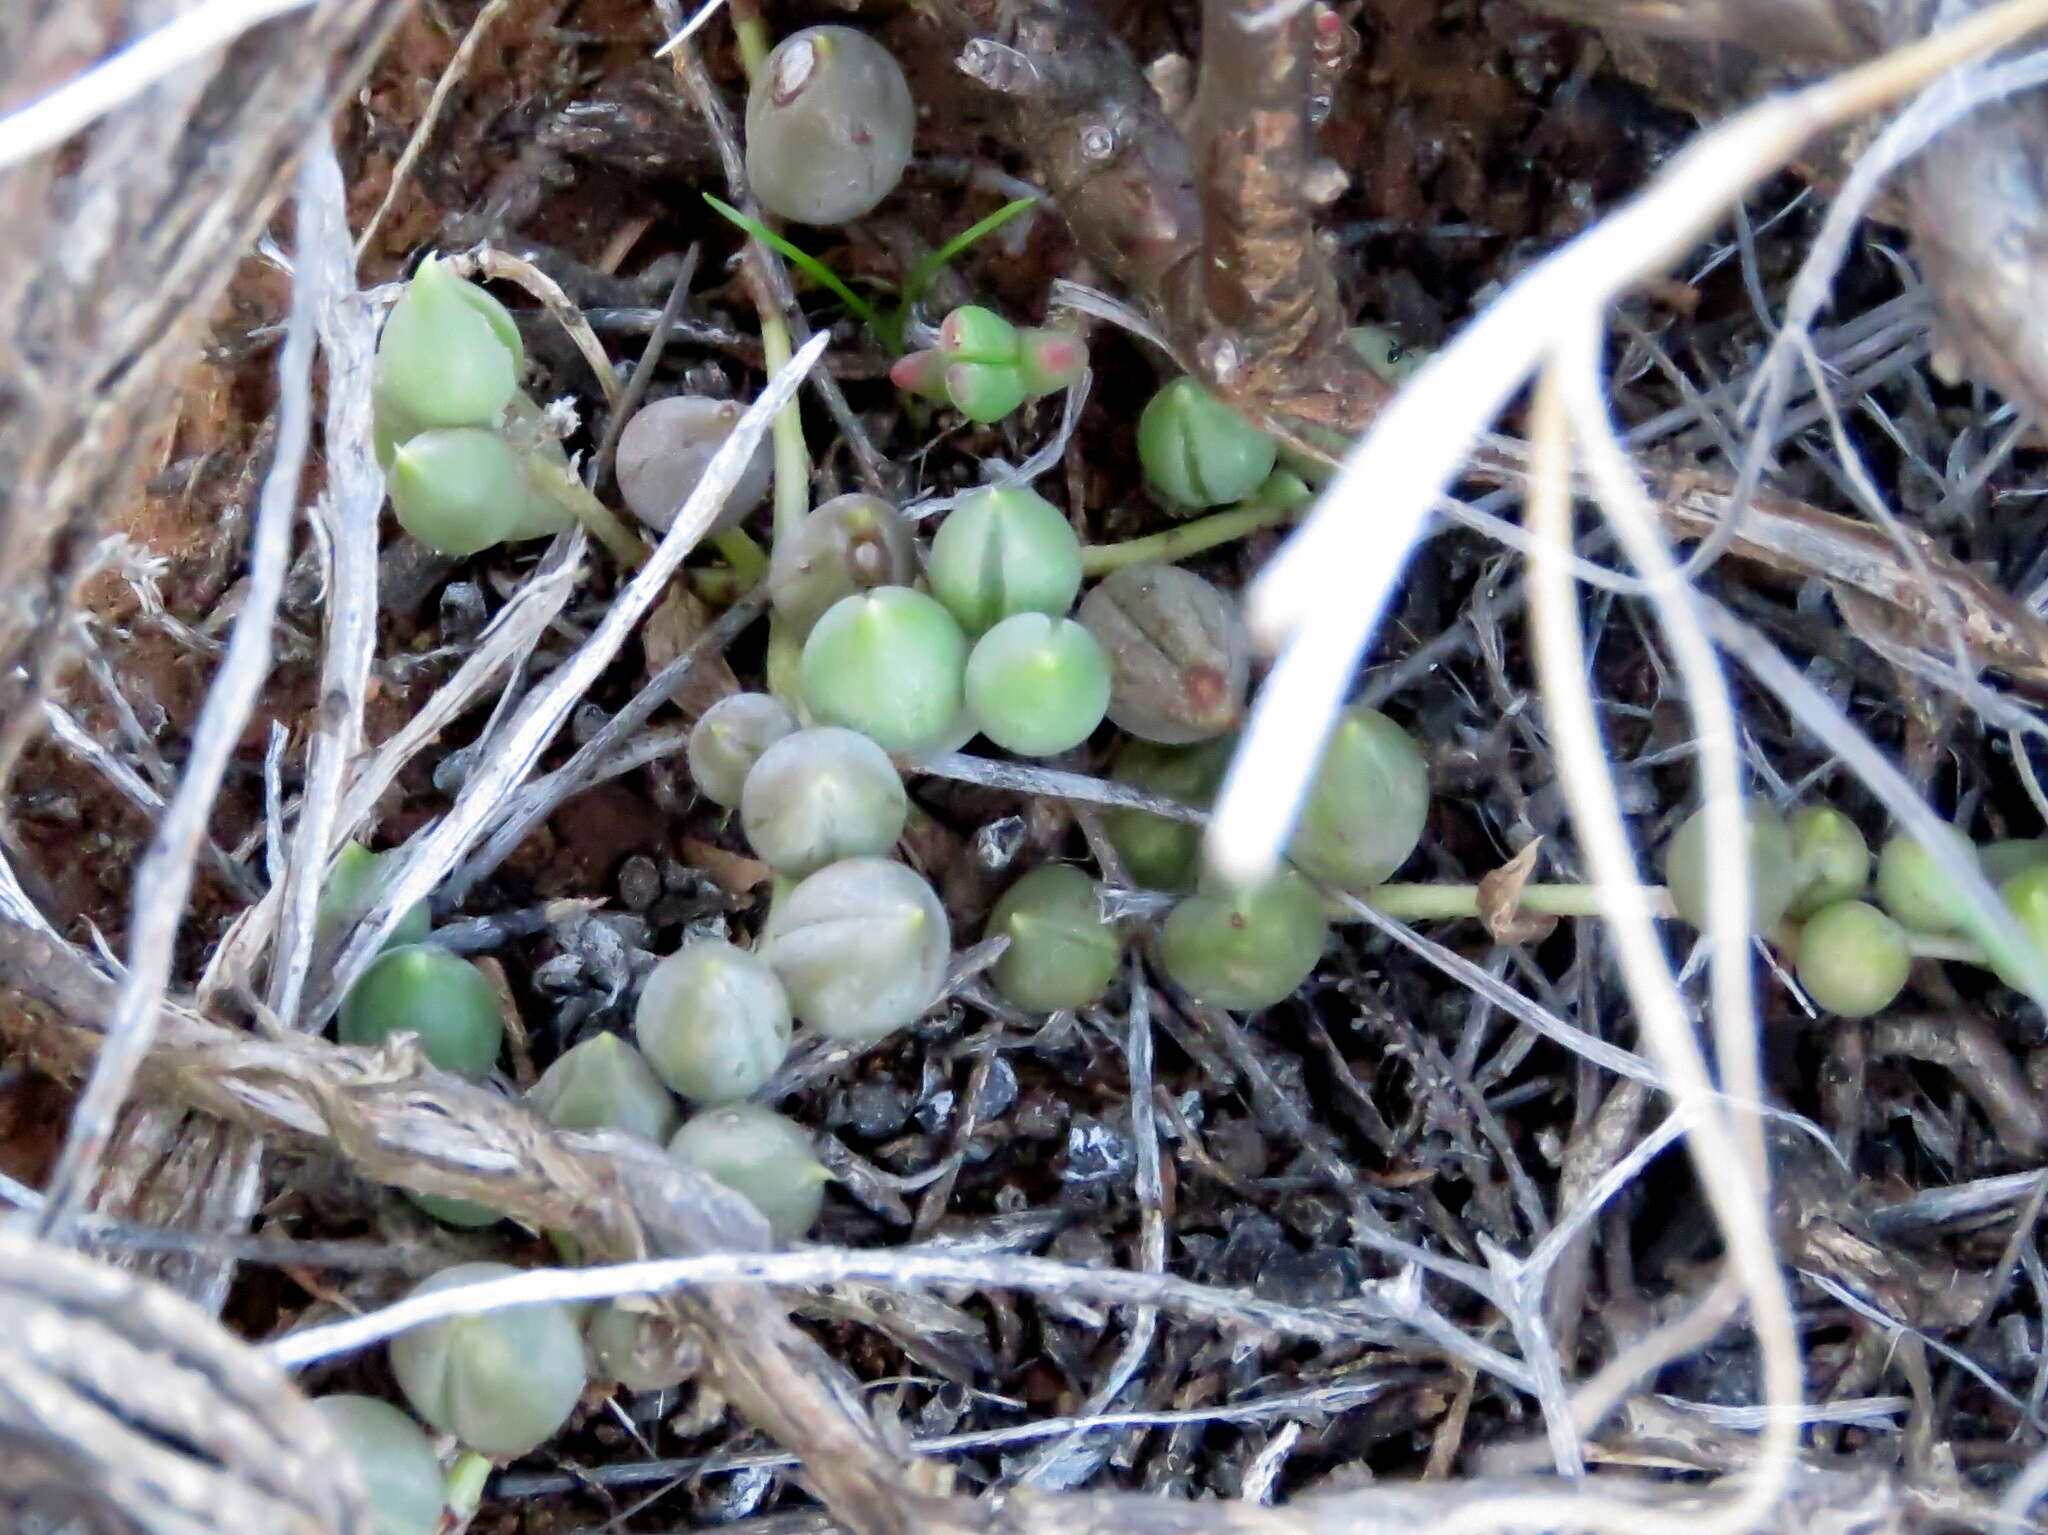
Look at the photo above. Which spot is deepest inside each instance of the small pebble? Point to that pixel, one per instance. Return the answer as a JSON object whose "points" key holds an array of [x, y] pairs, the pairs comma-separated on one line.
{"points": [[639, 882]]}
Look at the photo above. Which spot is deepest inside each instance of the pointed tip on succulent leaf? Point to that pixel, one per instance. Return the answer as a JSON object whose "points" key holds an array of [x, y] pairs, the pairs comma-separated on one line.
{"points": [[921, 373], [1050, 360], [973, 334]]}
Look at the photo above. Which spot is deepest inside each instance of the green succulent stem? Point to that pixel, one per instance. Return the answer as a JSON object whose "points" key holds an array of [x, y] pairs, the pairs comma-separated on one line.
{"points": [[747, 559], [464, 1485], [1443, 903], [1184, 541], [570, 493], [1949, 946], [750, 28]]}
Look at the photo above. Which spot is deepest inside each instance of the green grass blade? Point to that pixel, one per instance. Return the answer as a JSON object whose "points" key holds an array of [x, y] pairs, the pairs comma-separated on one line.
{"points": [[922, 274], [804, 261]]}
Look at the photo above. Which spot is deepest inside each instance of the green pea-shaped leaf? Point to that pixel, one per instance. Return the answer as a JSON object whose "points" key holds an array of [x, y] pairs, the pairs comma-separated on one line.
{"points": [[2001, 860], [821, 795], [1004, 551], [729, 739], [1917, 893], [353, 882], [1367, 804], [1061, 954], [829, 126], [633, 1349], [1049, 360], [853, 543], [1384, 353], [458, 489], [757, 1153], [890, 663], [400, 1471], [1246, 948], [1830, 859], [2026, 896], [714, 1021], [1853, 959], [1197, 451], [503, 1382], [860, 947], [449, 354], [605, 1084], [665, 449], [1179, 658], [1157, 852], [1770, 868], [424, 989], [463, 1214], [1036, 685]]}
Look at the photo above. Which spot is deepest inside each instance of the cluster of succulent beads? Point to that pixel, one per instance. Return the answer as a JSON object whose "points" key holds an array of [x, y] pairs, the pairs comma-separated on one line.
{"points": [[985, 367], [1853, 923]]}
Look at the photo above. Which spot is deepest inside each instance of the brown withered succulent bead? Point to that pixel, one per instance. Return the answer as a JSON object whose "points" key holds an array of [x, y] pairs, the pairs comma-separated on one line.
{"points": [[1179, 659]]}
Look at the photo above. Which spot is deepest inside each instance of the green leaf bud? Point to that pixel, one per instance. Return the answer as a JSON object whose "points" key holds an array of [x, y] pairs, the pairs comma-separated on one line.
{"points": [[713, 1021], [503, 1382], [729, 739], [829, 126], [974, 334], [983, 391], [605, 1084], [757, 1153], [1913, 890], [1179, 658], [1160, 853], [400, 1471], [354, 880], [1770, 868], [1036, 685], [1061, 954], [890, 663], [2026, 896], [665, 449], [1830, 859], [821, 795], [449, 354], [853, 543], [1853, 959], [1384, 354], [1001, 552], [636, 1350], [860, 947], [426, 990], [458, 489], [1246, 948], [1197, 451], [1049, 360], [1367, 804]]}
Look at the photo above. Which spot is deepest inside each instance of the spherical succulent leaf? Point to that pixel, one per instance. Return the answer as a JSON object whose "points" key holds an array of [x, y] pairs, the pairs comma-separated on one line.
{"points": [[463, 1214], [665, 449], [860, 947], [1164, 854], [829, 126], [1917, 893], [1246, 948], [821, 795], [1179, 658], [1770, 868], [605, 1084], [636, 1350], [890, 663], [1853, 959], [400, 1471], [1197, 451], [1830, 860], [983, 391], [449, 355], [1061, 954], [1384, 354], [1366, 806], [1036, 685], [458, 489], [1049, 360], [728, 740], [714, 1021], [2001, 860], [2026, 897], [353, 882], [757, 1153], [974, 334], [1004, 551], [502, 1382], [853, 543], [426, 990]]}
